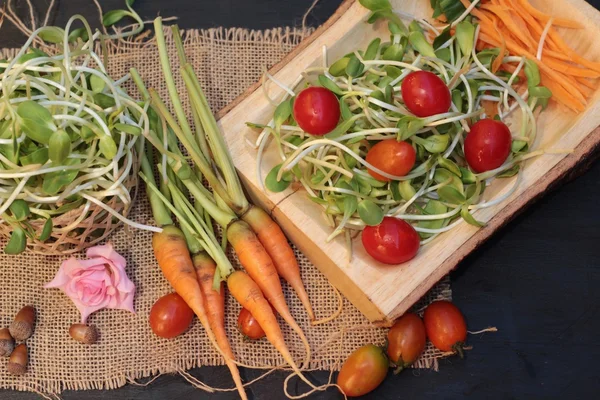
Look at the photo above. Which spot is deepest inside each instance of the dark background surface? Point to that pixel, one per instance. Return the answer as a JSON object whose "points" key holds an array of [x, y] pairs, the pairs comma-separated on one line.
{"points": [[537, 279]]}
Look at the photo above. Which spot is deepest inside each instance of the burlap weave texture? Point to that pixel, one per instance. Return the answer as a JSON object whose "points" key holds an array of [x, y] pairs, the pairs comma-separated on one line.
{"points": [[227, 61]]}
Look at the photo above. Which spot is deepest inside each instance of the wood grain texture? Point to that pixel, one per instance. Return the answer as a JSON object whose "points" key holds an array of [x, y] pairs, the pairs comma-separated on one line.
{"points": [[381, 292]]}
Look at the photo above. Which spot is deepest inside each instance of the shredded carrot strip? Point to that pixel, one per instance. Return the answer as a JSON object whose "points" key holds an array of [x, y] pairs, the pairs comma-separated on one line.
{"points": [[558, 92], [566, 23], [524, 37], [516, 27], [561, 80], [500, 59]]}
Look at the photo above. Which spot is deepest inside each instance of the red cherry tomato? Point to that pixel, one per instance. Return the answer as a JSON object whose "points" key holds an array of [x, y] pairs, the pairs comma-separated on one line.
{"points": [[249, 326], [363, 371], [445, 325], [170, 316], [394, 157], [488, 145], [317, 110], [393, 241], [406, 340], [425, 94]]}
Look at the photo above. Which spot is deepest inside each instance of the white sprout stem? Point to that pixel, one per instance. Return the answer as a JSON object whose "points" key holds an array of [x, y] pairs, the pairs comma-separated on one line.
{"points": [[540, 48], [466, 13], [441, 230], [6, 204], [121, 217]]}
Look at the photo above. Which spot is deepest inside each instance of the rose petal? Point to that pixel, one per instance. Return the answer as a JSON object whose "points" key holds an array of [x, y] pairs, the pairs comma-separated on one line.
{"points": [[61, 278], [108, 253], [96, 283]]}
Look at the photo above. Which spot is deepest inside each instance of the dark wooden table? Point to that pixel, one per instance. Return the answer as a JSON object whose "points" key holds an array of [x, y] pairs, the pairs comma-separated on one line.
{"points": [[537, 280]]}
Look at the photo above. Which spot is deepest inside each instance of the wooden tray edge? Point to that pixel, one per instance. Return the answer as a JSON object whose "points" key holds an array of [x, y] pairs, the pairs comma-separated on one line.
{"points": [[584, 155]]}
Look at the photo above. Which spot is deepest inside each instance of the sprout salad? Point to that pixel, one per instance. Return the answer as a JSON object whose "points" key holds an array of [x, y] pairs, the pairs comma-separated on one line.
{"points": [[378, 102]]}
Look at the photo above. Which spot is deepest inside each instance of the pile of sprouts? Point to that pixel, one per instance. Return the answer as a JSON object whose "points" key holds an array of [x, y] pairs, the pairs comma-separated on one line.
{"points": [[69, 135], [441, 191]]}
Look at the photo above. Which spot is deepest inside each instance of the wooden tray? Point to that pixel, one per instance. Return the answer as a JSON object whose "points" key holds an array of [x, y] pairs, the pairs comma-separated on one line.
{"points": [[381, 292]]}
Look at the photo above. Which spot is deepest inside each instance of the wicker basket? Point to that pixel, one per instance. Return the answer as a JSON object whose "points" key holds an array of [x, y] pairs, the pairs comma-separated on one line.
{"points": [[96, 226]]}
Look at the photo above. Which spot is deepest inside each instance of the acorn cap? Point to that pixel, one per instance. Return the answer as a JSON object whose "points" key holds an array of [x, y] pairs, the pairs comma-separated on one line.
{"points": [[17, 363], [22, 327], [7, 343], [86, 334]]}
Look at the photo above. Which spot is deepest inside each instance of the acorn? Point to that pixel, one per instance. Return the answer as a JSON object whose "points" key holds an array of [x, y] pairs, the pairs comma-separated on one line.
{"points": [[22, 327], [7, 343], [86, 334], [17, 363]]}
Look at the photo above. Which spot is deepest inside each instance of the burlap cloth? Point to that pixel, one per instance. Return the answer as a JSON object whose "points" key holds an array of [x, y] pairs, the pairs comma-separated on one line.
{"points": [[227, 61]]}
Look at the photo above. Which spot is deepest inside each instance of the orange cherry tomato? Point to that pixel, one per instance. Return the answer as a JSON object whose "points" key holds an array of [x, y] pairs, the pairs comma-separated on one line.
{"points": [[406, 340], [170, 316], [445, 326], [363, 371], [391, 156], [249, 326]]}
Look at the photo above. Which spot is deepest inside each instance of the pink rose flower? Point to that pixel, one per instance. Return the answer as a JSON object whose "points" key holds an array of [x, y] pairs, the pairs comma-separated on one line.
{"points": [[96, 283]]}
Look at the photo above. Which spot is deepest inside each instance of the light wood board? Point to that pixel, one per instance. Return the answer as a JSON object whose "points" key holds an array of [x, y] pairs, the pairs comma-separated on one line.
{"points": [[382, 292]]}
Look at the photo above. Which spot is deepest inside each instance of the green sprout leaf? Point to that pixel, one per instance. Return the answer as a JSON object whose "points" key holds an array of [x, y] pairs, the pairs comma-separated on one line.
{"points": [[392, 71], [349, 205], [406, 190], [345, 110], [104, 100], [467, 175], [338, 68], [418, 41], [20, 210], [59, 146], [433, 207], [39, 156], [518, 145], [55, 181], [465, 35], [17, 242], [451, 195], [36, 121], [372, 49], [443, 175], [331, 85], [409, 126], [114, 16], [107, 146], [52, 34], [395, 52], [97, 83], [127, 128], [450, 166], [510, 172], [273, 184], [468, 217], [354, 68], [86, 133], [282, 113], [434, 144], [376, 5], [340, 129], [79, 33], [46, 230], [370, 213], [532, 73]]}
